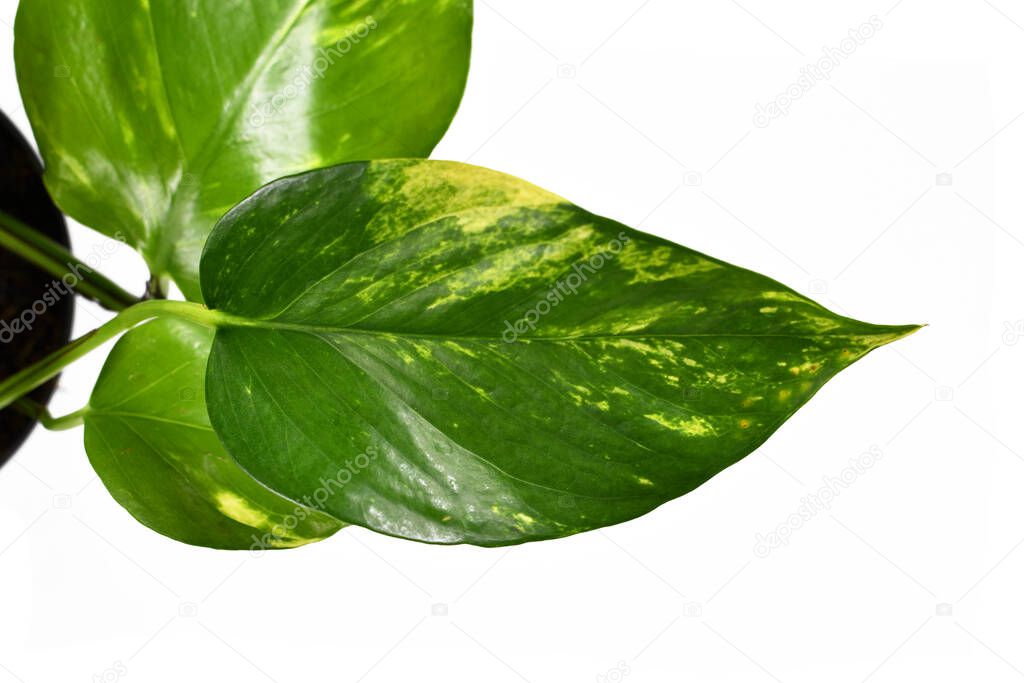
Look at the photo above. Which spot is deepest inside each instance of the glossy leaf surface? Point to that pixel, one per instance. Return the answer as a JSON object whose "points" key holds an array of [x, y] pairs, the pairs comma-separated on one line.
{"points": [[155, 117], [519, 368], [149, 439]]}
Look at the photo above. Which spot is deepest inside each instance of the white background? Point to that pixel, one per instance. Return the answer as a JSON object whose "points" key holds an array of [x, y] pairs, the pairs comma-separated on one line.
{"points": [[643, 111]]}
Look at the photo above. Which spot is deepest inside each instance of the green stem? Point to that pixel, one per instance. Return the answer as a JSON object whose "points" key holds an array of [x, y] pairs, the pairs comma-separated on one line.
{"points": [[156, 288], [54, 424], [28, 379], [52, 257]]}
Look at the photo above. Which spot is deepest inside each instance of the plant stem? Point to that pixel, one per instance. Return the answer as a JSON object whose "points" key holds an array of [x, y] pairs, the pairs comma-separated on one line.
{"points": [[54, 424], [52, 257], [28, 379], [156, 288]]}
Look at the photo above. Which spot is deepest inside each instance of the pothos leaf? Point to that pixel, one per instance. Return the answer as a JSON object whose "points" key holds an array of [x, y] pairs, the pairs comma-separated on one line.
{"points": [[149, 439], [155, 117], [484, 362]]}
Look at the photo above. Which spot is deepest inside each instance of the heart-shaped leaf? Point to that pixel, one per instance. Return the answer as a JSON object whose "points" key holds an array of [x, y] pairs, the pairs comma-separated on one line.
{"points": [[149, 439], [517, 367], [36, 311], [156, 117]]}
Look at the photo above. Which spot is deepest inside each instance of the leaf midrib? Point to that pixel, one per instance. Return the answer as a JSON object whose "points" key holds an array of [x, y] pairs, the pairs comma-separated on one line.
{"points": [[213, 142], [227, 321], [125, 416]]}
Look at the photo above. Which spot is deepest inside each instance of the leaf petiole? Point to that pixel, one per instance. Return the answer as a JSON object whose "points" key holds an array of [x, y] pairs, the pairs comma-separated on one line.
{"points": [[45, 418], [18, 385], [50, 256]]}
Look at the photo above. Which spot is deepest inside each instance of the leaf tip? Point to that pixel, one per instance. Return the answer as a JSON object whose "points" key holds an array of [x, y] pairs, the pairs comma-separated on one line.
{"points": [[893, 333]]}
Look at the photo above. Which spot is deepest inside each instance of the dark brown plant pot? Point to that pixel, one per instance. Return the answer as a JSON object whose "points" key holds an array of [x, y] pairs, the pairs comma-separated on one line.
{"points": [[23, 287]]}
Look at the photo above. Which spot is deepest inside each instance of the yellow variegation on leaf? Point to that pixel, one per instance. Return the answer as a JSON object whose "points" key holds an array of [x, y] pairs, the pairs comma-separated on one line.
{"points": [[520, 368], [149, 438]]}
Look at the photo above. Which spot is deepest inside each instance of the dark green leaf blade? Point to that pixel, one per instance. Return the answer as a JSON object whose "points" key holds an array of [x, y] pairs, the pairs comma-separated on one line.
{"points": [[156, 117], [521, 368], [149, 439]]}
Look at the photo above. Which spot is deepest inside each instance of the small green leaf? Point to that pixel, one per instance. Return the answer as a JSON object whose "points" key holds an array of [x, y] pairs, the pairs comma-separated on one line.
{"points": [[520, 368], [149, 439], [154, 117]]}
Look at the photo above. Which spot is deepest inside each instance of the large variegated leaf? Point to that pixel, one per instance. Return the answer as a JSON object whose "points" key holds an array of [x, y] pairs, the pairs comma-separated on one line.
{"points": [[155, 117], [149, 439], [517, 367]]}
